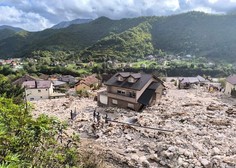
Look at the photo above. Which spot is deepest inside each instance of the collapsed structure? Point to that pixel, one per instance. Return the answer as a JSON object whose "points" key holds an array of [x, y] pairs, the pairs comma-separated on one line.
{"points": [[131, 90]]}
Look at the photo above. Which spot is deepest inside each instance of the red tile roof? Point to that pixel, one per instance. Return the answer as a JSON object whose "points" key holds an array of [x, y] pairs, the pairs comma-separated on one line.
{"points": [[89, 80]]}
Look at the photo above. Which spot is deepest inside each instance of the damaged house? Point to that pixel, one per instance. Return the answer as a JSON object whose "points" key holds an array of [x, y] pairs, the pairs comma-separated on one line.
{"points": [[131, 90], [188, 82]]}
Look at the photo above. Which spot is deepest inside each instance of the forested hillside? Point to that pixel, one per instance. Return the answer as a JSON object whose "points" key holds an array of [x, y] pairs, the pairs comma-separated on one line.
{"points": [[194, 33], [75, 37], [130, 44]]}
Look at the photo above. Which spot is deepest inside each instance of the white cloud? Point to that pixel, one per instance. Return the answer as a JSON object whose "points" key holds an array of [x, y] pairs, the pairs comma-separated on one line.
{"points": [[40, 14], [213, 1], [29, 21]]}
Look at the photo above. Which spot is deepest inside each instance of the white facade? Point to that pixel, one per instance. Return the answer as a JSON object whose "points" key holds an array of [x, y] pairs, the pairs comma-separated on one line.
{"points": [[229, 87], [38, 93]]}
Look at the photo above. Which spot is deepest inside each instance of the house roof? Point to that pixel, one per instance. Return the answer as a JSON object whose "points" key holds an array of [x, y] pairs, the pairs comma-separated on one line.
{"points": [[58, 83], [231, 79], [193, 79], [39, 84], [148, 93], [89, 80], [201, 79], [24, 78], [138, 85]]}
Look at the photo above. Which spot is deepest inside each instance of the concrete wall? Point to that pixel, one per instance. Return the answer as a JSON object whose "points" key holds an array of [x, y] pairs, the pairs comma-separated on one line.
{"points": [[37, 94], [159, 91], [123, 104], [229, 87]]}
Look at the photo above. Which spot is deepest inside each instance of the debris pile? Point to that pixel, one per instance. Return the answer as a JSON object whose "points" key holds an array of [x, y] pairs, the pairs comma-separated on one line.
{"points": [[199, 130]]}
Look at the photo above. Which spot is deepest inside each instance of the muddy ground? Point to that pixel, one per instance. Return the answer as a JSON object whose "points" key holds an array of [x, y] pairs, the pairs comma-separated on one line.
{"points": [[199, 129]]}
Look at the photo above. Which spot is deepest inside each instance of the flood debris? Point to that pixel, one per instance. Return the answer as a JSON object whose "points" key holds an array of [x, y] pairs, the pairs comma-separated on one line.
{"points": [[203, 128]]}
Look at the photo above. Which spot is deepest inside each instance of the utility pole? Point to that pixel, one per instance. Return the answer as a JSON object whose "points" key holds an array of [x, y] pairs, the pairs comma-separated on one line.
{"points": [[26, 105]]}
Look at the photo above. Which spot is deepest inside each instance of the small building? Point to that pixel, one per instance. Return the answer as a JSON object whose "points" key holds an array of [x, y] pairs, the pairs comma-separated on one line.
{"points": [[88, 83], [230, 84], [60, 86], [203, 81], [131, 91], [38, 89], [188, 82], [23, 79], [68, 78]]}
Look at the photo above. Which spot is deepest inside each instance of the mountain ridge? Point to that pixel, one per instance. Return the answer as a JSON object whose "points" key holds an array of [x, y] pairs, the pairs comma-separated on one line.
{"points": [[15, 29], [65, 24], [194, 33]]}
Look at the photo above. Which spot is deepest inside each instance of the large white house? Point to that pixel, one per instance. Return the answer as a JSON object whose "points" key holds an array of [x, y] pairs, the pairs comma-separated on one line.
{"points": [[38, 89], [230, 84]]}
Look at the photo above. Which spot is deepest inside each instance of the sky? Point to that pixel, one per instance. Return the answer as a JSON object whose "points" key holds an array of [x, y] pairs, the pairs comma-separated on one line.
{"points": [[36, 15]]}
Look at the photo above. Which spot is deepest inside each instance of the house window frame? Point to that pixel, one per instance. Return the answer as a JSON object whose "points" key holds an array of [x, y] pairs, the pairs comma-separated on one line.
{"points": [[39, 90], [120, 78], [121, 92], [131, 80], [132, 94]]}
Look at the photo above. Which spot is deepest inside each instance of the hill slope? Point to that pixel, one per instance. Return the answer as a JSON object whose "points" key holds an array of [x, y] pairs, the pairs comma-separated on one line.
{"points": [[192, 33], [8, 31], [15, 29], [75, 37]]}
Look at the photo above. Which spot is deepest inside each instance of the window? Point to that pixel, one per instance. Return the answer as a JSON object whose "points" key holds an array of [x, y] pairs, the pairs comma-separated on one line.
{"points": [[120, 78], [39, 91], [46, 89], [41, 97], [131, 80], [121, 92], [132, 94], [114, 101], [31, 99]]}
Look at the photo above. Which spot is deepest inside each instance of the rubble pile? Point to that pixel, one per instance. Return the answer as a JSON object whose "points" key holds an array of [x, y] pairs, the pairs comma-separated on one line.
{"points": [[199, 130]]}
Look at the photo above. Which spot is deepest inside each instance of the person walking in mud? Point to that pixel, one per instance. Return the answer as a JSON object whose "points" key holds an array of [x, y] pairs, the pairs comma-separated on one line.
{"points": [[98, 118], [94, 115]]}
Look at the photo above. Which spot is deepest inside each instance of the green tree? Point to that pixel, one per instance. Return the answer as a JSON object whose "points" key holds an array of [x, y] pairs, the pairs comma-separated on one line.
{"points": [[10, 91], [28, 142]]}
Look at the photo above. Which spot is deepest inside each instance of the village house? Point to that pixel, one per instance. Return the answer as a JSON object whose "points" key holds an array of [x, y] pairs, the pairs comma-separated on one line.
{"points": [[38, 89], [24, 78], [230, 84], [131, 90], [87, 83], [68, 78], [188, 82]]}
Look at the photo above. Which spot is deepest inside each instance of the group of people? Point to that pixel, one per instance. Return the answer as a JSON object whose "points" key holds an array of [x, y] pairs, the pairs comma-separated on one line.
{"points": [[97, 117]]}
